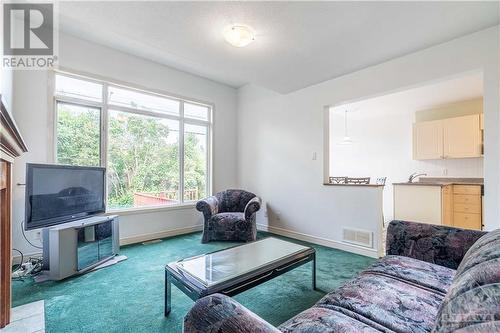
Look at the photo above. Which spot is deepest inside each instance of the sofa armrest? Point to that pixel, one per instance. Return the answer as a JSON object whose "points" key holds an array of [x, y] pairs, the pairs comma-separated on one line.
{"points": [[208, 206], [438, 244], [252, 207], [221, 314]]}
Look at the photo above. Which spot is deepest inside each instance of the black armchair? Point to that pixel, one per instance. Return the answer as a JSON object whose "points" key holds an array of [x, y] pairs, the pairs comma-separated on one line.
{"points": [[229, 215]]}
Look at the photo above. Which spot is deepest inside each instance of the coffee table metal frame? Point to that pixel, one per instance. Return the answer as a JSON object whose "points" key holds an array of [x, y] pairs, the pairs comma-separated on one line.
{"points": [[195, 290]]}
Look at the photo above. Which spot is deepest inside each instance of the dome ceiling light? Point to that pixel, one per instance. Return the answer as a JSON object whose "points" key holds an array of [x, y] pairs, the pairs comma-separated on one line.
{"points": [[239, 35]]}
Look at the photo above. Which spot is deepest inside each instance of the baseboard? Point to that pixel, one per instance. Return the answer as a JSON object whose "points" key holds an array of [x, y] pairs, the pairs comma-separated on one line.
{"points": [[136, 239], [373, 253], [275, 230], [16, 258], [161, 234]]}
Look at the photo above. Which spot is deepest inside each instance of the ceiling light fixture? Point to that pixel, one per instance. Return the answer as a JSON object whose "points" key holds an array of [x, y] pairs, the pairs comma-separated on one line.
{"points": [[239, 35], [347, 140]]}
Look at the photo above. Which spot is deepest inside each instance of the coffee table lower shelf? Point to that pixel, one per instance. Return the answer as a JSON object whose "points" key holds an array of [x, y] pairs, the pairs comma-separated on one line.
{"points": [[195, 291]]}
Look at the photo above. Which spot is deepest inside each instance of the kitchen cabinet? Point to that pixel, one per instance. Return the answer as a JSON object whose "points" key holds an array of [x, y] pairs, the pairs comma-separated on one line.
{"points": [[447, 205], [418, 203], [467, 207], [452, 204], [458, 137], [428, 140], [462, 137]]}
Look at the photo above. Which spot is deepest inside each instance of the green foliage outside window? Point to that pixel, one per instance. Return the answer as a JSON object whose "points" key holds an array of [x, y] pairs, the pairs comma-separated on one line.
{"points": [[143, 154], [78, 137]]}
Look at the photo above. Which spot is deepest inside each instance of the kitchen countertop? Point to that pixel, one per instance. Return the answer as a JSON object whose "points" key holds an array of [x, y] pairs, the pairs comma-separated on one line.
{"points": [[435, 181]]}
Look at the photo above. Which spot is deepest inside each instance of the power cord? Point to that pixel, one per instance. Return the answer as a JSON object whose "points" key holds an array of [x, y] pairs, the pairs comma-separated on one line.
{"points": [[26, 238], [21, 263], [33, 265], [31, 268]]}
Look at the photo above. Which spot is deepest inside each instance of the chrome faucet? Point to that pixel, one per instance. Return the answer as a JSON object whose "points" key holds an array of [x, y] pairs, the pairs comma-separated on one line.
{"points": [[415, 175]]}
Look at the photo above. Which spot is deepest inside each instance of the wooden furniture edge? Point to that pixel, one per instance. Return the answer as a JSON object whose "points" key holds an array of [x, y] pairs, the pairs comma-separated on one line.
{"points": [[12, 145]]}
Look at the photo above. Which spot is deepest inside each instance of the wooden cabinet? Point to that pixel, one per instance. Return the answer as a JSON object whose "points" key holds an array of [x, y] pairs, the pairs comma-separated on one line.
{"points": [[462, 137], [447, 205], [467, 207], [454, 205], [5, 243], [12, 146], [458, 137], [428, 140]]}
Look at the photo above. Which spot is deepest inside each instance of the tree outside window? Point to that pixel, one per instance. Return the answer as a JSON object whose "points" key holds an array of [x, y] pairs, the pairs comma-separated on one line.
{"points": [[143, 145]]}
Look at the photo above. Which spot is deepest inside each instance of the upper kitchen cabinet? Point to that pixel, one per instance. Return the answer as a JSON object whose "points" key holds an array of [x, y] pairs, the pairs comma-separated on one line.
{"points": [[428, 140], [457, 137], [462, 137]]}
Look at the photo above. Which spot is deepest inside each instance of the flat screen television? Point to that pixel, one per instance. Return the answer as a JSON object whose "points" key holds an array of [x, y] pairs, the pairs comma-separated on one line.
{"points": [[61, 193]]}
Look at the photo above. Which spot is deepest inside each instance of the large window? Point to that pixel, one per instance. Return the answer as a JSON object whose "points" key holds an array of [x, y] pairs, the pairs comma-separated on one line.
{"points": [[156, 148]]}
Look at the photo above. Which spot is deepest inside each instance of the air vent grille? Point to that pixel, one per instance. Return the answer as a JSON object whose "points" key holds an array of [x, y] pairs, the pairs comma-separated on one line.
{"points": [[358, 237]]}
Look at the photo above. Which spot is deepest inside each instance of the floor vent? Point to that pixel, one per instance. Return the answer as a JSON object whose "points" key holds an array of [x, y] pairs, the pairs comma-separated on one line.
{"points": [[357, 237]]}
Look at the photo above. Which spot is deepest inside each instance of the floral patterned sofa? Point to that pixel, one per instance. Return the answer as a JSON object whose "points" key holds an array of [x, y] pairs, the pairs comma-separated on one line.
{"points": [[229, 216], [433, 279]]}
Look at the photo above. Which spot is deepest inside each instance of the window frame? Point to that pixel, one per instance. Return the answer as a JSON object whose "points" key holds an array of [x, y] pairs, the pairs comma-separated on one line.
{"points": [[105, 108]]}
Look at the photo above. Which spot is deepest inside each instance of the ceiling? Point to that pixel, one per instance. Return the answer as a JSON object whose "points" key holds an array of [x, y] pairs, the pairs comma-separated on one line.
{"points": [[431, 95], [298, 44]]}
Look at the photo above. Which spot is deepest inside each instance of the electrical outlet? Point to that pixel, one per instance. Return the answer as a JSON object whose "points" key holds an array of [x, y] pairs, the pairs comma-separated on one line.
{"points": [[265, 214], [38, 235], [278, 215]]}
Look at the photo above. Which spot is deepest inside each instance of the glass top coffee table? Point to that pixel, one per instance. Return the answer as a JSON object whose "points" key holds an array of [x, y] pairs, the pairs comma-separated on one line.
{"points": [[236, 269]]}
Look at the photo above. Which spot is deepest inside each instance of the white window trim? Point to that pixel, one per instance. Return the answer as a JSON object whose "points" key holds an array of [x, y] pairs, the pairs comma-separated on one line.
{"points": [[104, 106]]}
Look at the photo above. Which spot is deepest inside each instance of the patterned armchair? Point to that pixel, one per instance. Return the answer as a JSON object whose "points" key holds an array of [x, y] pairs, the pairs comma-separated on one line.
{"points": [[229, 215]]}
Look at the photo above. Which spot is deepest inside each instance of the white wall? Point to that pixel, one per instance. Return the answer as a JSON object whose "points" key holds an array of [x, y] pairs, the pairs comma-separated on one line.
{"points": [[382, 147], [35, 122], [275, 162], [6, 83], [279, 133], [6, 76]]}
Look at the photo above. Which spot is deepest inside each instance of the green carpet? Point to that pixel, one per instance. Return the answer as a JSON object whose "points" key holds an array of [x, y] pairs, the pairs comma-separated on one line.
{"points": [[128, 296]]}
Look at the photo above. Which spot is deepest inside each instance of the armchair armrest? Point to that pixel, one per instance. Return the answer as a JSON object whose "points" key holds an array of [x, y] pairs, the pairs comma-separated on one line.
{"points": [[437, 244], [252, 207], [221, 314], [208, 206]]}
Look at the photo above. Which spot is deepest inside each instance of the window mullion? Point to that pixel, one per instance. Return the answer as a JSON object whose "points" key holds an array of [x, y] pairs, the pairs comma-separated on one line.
{"points": [[181, 153], [208, 175], [104, 127]]}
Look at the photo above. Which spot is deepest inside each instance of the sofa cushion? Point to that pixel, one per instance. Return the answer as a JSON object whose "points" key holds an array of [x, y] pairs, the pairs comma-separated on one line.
{"points": [[486, 248], [231, 226], [389, 302], [322, 320], [492, 326], [421, 273], [233, 200], [473, 299], [437, 244], [227, 220]]}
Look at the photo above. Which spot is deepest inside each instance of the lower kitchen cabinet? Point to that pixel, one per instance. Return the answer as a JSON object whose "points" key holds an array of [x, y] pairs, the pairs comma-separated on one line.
{"points": [[454, 205]]}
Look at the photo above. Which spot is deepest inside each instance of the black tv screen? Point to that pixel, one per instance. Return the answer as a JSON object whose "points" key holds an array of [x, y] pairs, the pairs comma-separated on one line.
{"points": [[60, 193]]}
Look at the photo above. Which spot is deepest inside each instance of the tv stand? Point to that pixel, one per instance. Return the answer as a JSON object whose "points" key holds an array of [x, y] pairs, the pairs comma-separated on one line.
{"points": [[76, 247]]}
